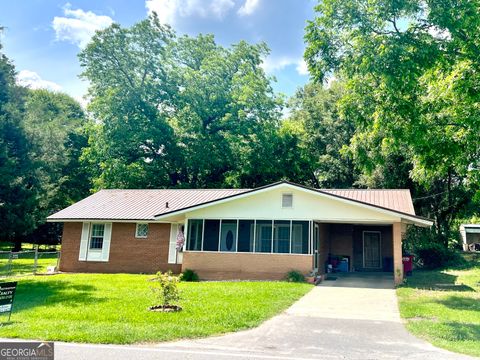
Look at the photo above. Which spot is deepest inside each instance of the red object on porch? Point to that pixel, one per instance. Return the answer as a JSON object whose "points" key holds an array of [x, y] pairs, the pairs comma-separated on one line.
{"points": [[407, 264]]}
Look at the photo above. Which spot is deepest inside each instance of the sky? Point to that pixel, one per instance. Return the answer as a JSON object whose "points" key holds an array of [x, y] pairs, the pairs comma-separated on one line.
{"points": [[43, 37]]}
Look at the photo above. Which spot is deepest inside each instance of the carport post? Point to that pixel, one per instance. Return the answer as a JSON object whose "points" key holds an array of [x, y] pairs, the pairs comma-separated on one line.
{"points": [[397, 253]]}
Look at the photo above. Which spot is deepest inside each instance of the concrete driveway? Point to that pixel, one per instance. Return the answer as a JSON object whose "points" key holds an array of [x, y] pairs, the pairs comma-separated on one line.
{"points": [[353, 317]]}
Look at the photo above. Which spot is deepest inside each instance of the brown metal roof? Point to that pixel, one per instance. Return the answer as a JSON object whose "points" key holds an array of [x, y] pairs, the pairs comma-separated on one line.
{"points": [[394, 199], [138, 204], [146, 204]]}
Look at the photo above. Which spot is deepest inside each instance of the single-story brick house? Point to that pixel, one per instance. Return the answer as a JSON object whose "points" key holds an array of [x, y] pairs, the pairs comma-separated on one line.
{"points": [[259, 233]]}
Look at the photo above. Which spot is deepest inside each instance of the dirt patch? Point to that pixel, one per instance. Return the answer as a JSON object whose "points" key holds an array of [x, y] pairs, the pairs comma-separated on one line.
{"points": [[165, 308]]}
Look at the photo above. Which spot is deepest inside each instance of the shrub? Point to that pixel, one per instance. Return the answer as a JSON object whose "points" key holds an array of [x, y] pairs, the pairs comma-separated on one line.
{"points": [[166, 288], [432, 256], [429, 248], [295, 276], [190, 275]]}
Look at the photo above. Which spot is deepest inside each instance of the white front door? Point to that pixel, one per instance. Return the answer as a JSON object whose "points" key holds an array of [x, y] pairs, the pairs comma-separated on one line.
{"points": [[228, 236]]}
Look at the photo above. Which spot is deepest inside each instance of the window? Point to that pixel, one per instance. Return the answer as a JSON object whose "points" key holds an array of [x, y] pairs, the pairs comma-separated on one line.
{"points": [[281, 236], [287, 200], [228, 235], [299, 237], [264, 236], [96, 237], [210, 235], [141, 230], [194, 241], [257, 236], [246, 233]]}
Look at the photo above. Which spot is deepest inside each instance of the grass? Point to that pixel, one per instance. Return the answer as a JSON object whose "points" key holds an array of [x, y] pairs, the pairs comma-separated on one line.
{"points": [[101, 308], [443, 306], [24, 264]]}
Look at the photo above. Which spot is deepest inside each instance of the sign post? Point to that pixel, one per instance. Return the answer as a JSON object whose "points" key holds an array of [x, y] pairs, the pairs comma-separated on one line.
{"points": [[7, 293]]}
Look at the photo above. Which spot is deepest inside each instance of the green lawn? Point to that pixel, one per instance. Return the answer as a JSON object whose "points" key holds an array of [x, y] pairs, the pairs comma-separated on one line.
{"points": [[443, 307], [100, 308], [24, 264]]}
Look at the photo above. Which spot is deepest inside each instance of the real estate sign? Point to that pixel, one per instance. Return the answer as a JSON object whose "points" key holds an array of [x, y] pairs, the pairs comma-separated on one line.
{"points": [[7, 293]]}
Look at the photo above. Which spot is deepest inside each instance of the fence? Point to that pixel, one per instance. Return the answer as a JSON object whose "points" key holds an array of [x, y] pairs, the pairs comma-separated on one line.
{"points": [[27, 262]]}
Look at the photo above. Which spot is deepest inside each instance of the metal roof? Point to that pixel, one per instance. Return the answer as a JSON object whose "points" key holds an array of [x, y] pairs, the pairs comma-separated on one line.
{"points": [[394, 199], [146, 204], [138, 204]]}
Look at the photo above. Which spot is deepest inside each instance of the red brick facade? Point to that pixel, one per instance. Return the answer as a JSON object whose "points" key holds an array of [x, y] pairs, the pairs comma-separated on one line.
{"points": [[127, 253], [245, 266]]}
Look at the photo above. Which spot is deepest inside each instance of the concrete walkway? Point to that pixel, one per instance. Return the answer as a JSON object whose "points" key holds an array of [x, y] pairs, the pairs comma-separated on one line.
{"points": [[367, 296], [354, 317]]}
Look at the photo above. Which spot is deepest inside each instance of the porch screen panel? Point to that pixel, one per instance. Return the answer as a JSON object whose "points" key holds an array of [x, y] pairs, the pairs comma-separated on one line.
{"points": [[263, 242], [299, 237], [281, 236], [194, 236], [246, 231], [228, 235], [211, 235]]}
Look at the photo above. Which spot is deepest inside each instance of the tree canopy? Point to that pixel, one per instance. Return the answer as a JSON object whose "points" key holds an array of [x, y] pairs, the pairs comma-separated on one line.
{"points": [[41, 139], [173, 111], [411, 74]]}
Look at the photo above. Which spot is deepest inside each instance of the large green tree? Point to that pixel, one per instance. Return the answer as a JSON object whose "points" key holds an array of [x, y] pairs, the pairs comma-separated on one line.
{"points": [[412, 78], [174, 111], [316, 108], [54, 127], [18, 185]]}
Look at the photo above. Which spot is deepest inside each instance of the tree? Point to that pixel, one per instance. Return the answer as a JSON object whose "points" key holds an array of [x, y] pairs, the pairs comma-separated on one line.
{"points": [[131, 86], [173, 111], [411, 78], [54, 126], [326, 132], [18, 185]]}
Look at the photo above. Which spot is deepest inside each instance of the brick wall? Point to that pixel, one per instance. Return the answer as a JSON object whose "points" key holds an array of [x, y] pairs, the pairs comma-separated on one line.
{"points": [[127, 253], [341, 241], [245, 266], [323, 248]]}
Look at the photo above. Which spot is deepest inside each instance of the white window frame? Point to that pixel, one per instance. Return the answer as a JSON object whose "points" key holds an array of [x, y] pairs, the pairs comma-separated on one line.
{"points": [[90, 236], [86, 253], [136, 230]]}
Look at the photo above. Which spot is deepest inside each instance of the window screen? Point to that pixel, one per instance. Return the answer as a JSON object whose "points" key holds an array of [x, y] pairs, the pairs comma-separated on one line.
{"points": [[281, 236], [96, 238], [263, 241], [194, 236], [211, 235], [246, 230], [299, 237]]}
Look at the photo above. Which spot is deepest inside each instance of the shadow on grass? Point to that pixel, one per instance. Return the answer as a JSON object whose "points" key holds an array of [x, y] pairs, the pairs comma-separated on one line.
{"points": [[31, 293], [464, 261], [435, 280], [462, 331], [460, 303]]}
